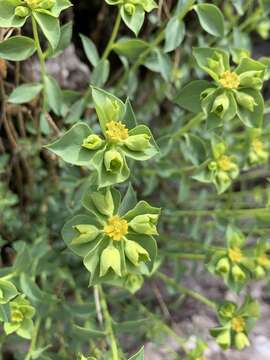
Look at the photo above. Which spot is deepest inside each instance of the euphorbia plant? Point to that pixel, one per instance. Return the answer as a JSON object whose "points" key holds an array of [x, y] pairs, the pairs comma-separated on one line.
{"points": [[200, 92]]}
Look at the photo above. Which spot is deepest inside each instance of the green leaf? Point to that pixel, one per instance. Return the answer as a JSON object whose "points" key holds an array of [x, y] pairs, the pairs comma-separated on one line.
{"points": [[17, 48], [129, 201], [64, 41], [53, 94], [211, 18], [130, 48], [165, 65], [252, 118], [4, 312], [8, 291], [189, 96], [139, 355], [101, 73], [86, 333], [90, 50], [135, 21], [59, 6], [69, 146], [129, 118], [50, 27], [174, 34], [24, 93]]}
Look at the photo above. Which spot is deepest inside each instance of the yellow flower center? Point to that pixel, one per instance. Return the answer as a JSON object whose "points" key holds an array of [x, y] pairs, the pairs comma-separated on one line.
{"points": [[263, 260], [229, 80], [235, 254], [224, 163], [257, 145], [16, 316], [238, 324], [116, 131], [116, 228]]}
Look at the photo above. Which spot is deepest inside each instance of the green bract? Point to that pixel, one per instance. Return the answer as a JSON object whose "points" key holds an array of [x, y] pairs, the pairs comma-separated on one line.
{"points": [[113, 240], [21, 314], [133, 11], [7, 291], [106, 154], [221, 169], [235, 324]]}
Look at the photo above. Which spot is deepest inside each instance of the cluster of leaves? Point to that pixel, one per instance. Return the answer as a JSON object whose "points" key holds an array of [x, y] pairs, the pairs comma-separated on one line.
{"points": [[203, 92]]}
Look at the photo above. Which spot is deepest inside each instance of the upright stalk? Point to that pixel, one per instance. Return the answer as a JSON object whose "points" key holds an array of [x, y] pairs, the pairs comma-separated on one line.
{"points": [[34, 340], [39, 50], [113, 36], [108, 324]]}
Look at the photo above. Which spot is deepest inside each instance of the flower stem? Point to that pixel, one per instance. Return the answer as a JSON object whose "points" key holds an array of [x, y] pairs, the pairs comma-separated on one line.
{"points": [[223, 212], [186, 256], [186, 291], [34, 340], [108, 324], [113, 36], [39, 50]]}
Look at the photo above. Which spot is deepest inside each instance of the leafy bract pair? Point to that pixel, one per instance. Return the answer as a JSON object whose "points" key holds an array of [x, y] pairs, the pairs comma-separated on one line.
{"points": [[14, 13], [235, 324], [114, 238], [235, 93], [106, 154], [221, 169], [133, 12], [21, 314]]}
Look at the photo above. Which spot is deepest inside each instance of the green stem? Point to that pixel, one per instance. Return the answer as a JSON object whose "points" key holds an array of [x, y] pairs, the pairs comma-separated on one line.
{"points": [[223, 212], [188, 292], [113, 36], [192, 122], [186, 256], [108, 324], [39, 50], [8, 276], [34, 340]]}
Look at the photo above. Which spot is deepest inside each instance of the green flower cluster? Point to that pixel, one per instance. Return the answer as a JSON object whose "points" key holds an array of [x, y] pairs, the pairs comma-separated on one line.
{"points": [[258, 152], [113, 240], [21, 314], [219, 170], [235, 324], [133, 11], [235, 93], [106, 154], [237, 265]]}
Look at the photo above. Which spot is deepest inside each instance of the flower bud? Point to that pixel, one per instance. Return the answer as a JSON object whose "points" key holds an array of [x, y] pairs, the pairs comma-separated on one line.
{"points": [[47, 4], [223, 177], [133, 282], [103, 202], [245, 100], [241, 341], [219, 149], [216, 63], [252, 79], [238, 274], [145, 224], [259, 272], [212, 166], [3, 69], [227, 310], [93, 142], [110, 258], [223, 266], [135, 252], [113, 161], [129, 9], [87, 233], [22, 11], [221, 105], [224, 339], [138, 142]]}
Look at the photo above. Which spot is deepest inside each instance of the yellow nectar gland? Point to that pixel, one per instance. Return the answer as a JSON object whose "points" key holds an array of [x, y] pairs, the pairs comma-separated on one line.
{"points": [[229, 80], [235, 254], [116, 131], [224, 163], [238, 324], [116, 228], [257, 146], [16, 316]]}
